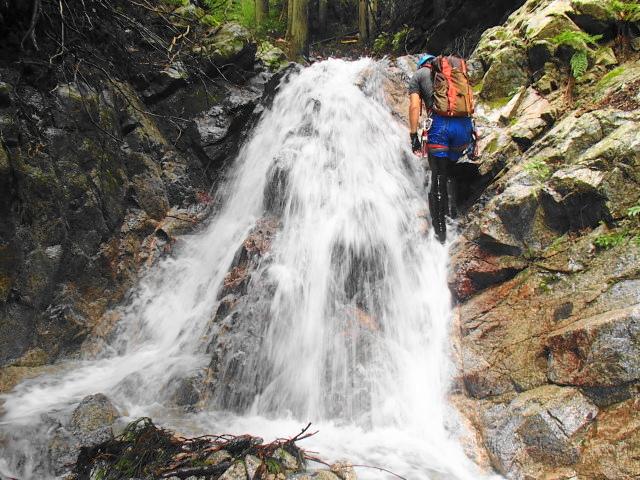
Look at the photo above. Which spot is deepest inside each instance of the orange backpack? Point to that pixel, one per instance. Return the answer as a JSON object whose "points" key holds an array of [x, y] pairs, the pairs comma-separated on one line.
{"points": [[452, 92]]}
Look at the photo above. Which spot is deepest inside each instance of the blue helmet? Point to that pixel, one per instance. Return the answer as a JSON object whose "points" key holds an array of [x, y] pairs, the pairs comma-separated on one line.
{"points": [[424, 59]]}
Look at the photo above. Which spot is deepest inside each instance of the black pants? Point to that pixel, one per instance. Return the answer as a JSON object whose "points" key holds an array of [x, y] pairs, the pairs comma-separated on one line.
{"points": [[442, 201]]}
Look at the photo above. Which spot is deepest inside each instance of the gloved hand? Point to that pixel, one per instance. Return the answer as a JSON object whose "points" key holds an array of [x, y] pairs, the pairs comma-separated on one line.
{"points": [[415, 143]]}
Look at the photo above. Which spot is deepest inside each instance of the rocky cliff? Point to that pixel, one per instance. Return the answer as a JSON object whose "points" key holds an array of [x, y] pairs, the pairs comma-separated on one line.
{"points": [[115, 120], [547, 270]]}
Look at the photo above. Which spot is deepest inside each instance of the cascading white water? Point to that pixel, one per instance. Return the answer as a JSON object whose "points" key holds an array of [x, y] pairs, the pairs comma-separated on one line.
{"points": [[355, 339]]}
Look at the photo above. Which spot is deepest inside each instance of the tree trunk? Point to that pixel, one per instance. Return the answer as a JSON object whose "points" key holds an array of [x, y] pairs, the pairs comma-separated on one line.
{"points": [[299, 38], [322, 15], [372, 12], [262, 11], [362, 21], [290, 5]]}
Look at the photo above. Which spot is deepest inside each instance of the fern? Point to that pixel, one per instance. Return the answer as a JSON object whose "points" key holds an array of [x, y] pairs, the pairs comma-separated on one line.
{"points": [[625, 11], [634, 211], [576, 39], [610, 240], [579, 64]]}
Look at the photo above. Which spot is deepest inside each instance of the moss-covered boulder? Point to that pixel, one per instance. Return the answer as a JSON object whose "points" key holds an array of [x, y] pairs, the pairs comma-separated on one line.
{"points": [[271, 56], [549, 21], [506, 74], [230, 42], [595, 9]]}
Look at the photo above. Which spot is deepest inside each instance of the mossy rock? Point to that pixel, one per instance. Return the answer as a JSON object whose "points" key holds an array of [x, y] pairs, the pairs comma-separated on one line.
{"points": [[6, 93], [227, 44], [605, 56], [12, 376], [549, 26], [5, 166], [595, 9], [272, 57], [491, 40], [190, 11], [36, 357], [613, 80], [93, 412], [507, 73], [145, 131]]}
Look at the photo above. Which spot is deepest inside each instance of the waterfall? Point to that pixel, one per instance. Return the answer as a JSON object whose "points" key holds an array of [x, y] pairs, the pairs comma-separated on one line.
{"points": [[345, 318]]}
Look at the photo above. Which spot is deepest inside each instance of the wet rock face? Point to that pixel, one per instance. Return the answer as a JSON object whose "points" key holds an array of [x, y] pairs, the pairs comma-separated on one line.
{"points": [[96, 174], [93, 412], [239, 323], [90, 425], [546, 270]]}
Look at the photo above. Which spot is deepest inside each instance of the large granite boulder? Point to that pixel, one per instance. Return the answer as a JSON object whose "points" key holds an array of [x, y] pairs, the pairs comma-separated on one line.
{"points": [[230, 43], [543, 427], [600, 351], [90, 425]]}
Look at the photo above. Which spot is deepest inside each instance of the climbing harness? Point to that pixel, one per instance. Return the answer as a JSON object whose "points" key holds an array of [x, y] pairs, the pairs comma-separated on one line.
{"points": [[424, 136], [472, 151]]}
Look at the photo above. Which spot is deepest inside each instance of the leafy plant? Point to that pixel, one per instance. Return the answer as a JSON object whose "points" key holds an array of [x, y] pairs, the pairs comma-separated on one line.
{"points": [[625, 11], [610, 240], [273, 466], [579, 64], [399, 39], [538, 169], [382, 43], [579, 41], [634, 211], [547, 282]]}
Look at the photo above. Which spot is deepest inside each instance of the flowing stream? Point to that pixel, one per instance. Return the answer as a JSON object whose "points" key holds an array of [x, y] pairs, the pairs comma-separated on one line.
{"points": [[351, 316]]}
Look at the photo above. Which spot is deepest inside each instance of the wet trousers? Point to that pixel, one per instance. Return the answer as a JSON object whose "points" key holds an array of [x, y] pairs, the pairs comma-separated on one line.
{"points": [[442, 201]]}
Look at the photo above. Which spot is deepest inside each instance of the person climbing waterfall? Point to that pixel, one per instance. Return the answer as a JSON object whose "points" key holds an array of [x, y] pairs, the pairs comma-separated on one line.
{"points": [[442, 84]]}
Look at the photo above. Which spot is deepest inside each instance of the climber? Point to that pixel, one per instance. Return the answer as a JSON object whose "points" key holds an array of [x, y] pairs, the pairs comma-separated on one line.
{"points": [[442, 84]]}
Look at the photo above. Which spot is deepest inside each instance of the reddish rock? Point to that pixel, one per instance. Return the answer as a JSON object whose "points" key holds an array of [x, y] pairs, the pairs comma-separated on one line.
{"points": [[600, 351], [474, 269]]}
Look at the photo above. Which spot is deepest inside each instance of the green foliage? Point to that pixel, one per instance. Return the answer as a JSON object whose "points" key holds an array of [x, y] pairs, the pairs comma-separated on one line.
{"points": [[399, 39], [210, 20], [382, 43], [628, 11], [610, 240], [99, 474], [276, 23], [273, 466], [634, 211], [244, 13], [579, 64], [176, 3], [547, 281], [578, 41], [387, 42], [538, 169], [213, 5]]}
